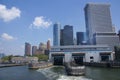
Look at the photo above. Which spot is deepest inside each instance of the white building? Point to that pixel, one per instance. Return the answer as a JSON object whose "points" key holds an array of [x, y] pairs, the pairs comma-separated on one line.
{"points": [[24, 59], [81, 53]]}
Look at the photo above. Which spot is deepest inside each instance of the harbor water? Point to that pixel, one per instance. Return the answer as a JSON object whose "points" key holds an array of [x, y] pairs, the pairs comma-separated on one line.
{"points": [[57, 73]]}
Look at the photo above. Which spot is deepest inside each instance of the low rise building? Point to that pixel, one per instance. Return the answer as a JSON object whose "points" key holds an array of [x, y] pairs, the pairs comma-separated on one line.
{"points": [[81, 53], [24, 59]]}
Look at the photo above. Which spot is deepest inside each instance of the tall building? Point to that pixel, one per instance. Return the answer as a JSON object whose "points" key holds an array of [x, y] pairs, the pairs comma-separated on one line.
{"points": [[80, 38], [42, 48], [27, 49], [67, 35], [98, 19], [61, 37], [99, 24], [48, 48], [119, 34], [56, 34], [34, 49], [48, 45]]}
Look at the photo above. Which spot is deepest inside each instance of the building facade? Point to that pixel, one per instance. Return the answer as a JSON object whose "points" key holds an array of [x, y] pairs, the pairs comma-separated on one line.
{"points": [[80, 38], [110, 39], [56, 34], [27, 49], [42, 48], [67, 35], [81, 53], [24, 59], [99, 24], [97, 18], [61, 37], [48, 45], [119, 34], [34, 49]]}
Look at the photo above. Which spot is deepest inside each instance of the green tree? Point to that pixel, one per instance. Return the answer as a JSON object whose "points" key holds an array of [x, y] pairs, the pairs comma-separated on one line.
{"points": [[7, 58], [42, 57]]}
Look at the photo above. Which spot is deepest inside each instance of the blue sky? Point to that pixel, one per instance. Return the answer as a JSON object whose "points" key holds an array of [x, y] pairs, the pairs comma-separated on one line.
{"points": [[32, 20]]}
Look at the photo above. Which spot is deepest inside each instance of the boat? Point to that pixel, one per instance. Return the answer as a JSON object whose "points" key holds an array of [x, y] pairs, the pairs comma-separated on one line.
{"points": [[75, 70]]}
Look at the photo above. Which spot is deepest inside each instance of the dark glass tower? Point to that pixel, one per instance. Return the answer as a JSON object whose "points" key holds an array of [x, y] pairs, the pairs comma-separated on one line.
{"points": [[80, 37], [27, 49], [67, 35]]}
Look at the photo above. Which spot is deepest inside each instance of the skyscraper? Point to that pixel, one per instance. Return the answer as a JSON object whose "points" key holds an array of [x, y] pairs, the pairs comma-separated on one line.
{"points": [[34, 49], [119, 34], [42, 48], [27, 49], [98, 19], [99, 24], [56, 34], [48, 48], [80, 37], [61, 37], [48, 45], [67, 35]]}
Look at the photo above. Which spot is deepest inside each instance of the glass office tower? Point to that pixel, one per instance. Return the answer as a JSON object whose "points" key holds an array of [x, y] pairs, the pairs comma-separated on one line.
{"points": [[99, 24], [56, 34]]}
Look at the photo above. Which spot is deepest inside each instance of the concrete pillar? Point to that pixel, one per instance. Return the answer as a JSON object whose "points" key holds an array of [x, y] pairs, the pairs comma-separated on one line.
{"points": [[50, 57], [68, 57], [113, 56]]}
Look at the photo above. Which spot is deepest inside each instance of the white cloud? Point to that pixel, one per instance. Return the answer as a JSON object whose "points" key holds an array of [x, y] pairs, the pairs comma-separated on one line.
{"points": [[40, 22], [7, 37], [9, 14]]}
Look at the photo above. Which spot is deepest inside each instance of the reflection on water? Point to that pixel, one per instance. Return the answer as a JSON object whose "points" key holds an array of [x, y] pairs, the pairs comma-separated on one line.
{"points": [[20, 73], [58, 73], [103, 73]]}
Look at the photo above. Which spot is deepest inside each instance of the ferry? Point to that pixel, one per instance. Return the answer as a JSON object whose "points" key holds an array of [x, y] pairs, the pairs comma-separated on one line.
{"points": [[74, 70]]}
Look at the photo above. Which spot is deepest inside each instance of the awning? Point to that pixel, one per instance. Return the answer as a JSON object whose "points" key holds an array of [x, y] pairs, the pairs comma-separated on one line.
{"points": [[105, 53], [78, 54], [58, 54]]}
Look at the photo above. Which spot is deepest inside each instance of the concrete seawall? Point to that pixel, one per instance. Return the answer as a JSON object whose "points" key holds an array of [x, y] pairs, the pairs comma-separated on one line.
{"points": [[74, 70], [39, 65], [103, 64], [9, 65]]}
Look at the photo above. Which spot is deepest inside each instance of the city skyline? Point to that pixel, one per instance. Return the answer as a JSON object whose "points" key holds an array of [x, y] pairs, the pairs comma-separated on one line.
{"points": [[22, 23]]}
